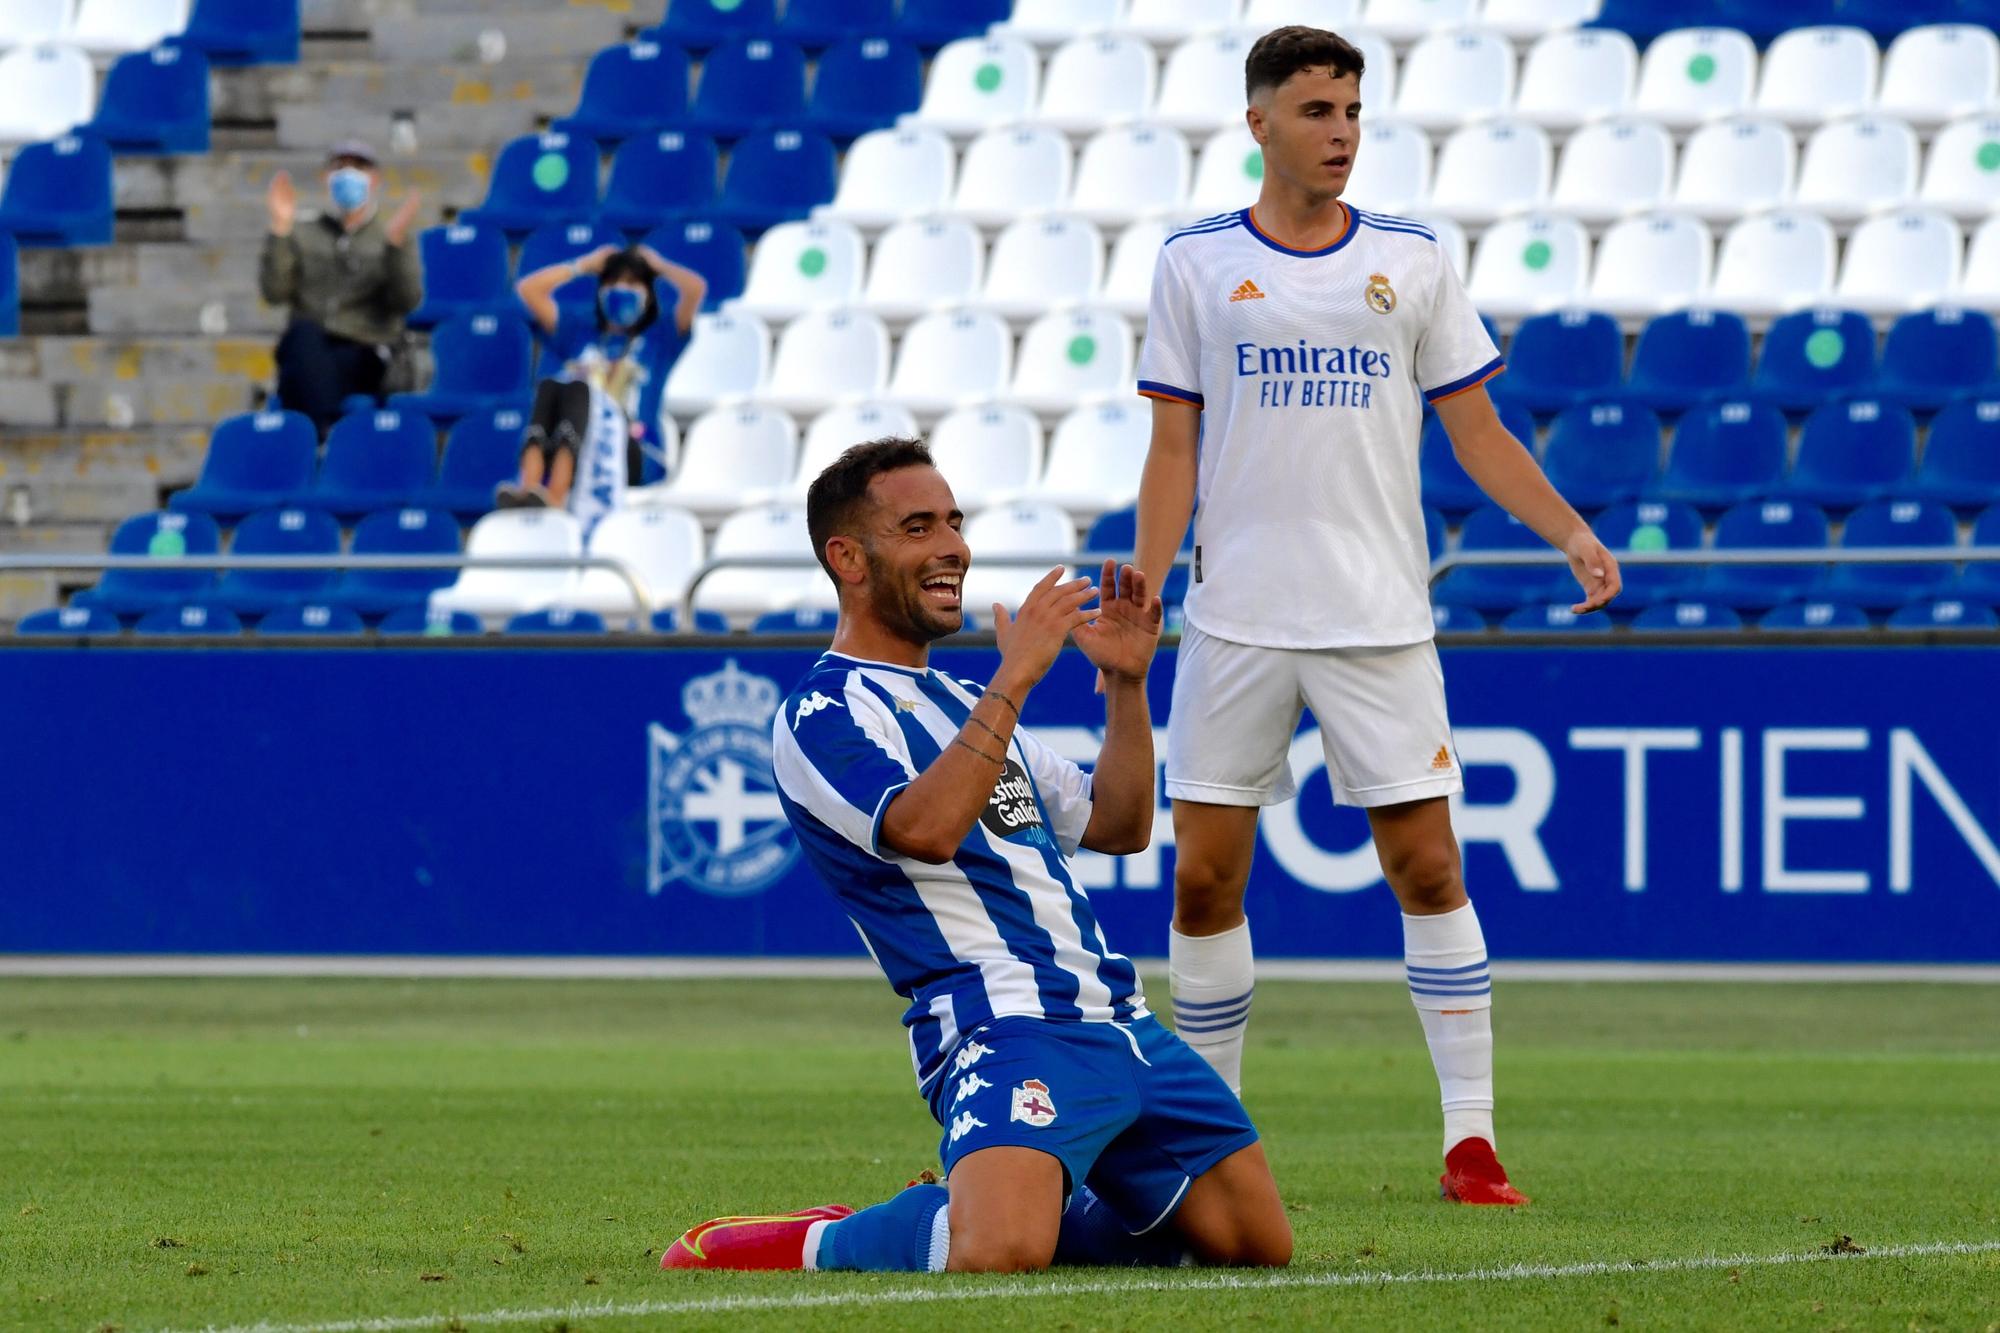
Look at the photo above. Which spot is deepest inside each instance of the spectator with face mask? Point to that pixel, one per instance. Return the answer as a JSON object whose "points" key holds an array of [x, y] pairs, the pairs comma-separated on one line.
{"points": [[348, 276]]}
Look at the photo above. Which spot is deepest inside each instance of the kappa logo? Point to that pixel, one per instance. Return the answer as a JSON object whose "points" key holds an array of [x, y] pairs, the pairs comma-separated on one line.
{"points": [[964, 1123], [1033, 1104], [969, 1055], [967, 1086], [811, 704], [1246, 291], [1441, 761]]}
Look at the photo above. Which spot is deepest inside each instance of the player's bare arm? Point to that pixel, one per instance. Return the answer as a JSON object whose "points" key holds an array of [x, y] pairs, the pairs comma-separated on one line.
{"points": [[1120, 644], [1166, 487], [1508, 473]]}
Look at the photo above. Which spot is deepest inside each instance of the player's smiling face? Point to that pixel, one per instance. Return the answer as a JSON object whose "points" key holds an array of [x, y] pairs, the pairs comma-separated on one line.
{"points": [[1310, 128], [915, 555]]}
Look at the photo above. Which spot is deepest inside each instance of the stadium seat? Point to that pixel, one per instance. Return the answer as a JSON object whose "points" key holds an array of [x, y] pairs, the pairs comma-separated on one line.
{"points": [[1230, 171], [1961, 461], [1947, 613], [555, 620], [931, 24], [1563, 358], [1022, 529], [1260, 16], [1723, 454], [1095, 81], [701, 24], [115, 26], [1774, 262], [59, 194], [988, 454], [374, 460], [1933, 356], [726, 359], [1199, 84], [1131, 171], [155, 102], [1048, 22], [1380, 80], [1979, 282], [1095, 457], [482, 364], [1012, 172], [1525, 19], [889, 175], [1613, 168], [1646, 20], [287, 532], [923, 264], [482, 451], [1603, 453], [1962, 175], [864, 83], [1039, 264], [777, 176], [1886, 19], [978, 83], [539, 179], [1165, 22], [713, 249], [1116, 534], [30, 22], [731, 456], [815, 24], [1733, 168], [1813, 74], [188, 621], [1858, 166], [1452, 240], [630, 91], [1980, 581], [1901, 261], [245, 32], [658, 178], [1692, 75], [1128, 277], [1457, 620], [1529, 264], [45, 92], [1686, 616], [378, 592], [495, 594], [162, 536], [1814, 616], [1491, 169], [559, 243], [1408, 20], [1553, 618], [1392, 172], [253, 462], [1893, 523], [749, 83], [832, 433], [1758, 525], [1070, 357], [801, 266], [1648, 526], [1938, 71], [422, 622], [817, 620], [1500, 587], [10, 286], [311, 619], [1651, 264], [768, 530], [950, 359], [69, 622], [705, 622], [1850, 452], [1688, 357], [825, 356], [1576, 76], [465, 273], [1449, 78], [1446, 486], [1812, 356]]}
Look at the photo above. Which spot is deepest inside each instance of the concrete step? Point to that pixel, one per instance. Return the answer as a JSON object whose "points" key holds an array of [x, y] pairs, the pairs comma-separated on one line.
{"points": [[127, 361], [357, 15], [23, 594], [226, 180], [51, 277], [548, 32], [40, 538], [162, 457], [429, 129], [257, 93], [125, 311], [123, 404]]}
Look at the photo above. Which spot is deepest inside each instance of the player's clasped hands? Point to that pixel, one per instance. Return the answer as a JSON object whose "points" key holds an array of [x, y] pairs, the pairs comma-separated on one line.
{"points": [[1030, 638]]}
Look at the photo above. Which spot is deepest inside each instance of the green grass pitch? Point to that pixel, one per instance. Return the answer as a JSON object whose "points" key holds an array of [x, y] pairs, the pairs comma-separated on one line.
{"points": [[433, 1155]]}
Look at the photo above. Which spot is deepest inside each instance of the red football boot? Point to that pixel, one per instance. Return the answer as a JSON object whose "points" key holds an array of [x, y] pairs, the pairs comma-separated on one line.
{"points": [[1472, 1174], [772, 1242]]}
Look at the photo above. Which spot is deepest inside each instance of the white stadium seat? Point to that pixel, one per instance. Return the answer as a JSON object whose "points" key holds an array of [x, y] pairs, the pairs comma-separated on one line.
{"points": [[1073, 356], [1526, 265], [497, 594], [1814, 74], [892, 174], [976, 83], [950, 359], [1048, 22], [1392, 170], [28, 22], [1451, 238], [111, 26], [1901, 261], [1649, 265], [1526, 19], [1573, 77], [923, 264], [1487, 170], [1691, 75], [663, 545], [1097, 81], [1201, 88], [1260, 16], [1855, 167], [1379, 81], [1962, 176], [1131, 171], [1735, 167], [1774, 262], [1229, 174], [1128, 278], [825, 357], [1166, 21], [726, 358], [1979, 284], [800, 266], [45, 92], [1039, 264], [766, 530], [1010, 172], [731, 457], [1452, 77], [988, 454], [1613, 168], [1939, 71], [1022, 528], [1095, 457], [835, 431], [1407, 20]]}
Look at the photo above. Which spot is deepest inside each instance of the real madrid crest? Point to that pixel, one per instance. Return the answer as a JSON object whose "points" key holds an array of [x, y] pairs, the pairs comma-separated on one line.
{"points": [[1380, 296]]}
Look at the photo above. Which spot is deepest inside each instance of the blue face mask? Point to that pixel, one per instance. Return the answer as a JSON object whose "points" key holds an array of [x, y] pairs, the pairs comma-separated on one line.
{"points": [[348, 188], [622, 306]]}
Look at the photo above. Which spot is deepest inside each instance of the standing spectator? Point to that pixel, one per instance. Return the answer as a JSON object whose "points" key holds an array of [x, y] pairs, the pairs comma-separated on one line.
{"points": [[348, 278]]}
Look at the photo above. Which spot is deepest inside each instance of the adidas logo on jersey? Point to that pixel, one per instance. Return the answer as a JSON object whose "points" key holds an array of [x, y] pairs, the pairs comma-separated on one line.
{"points": [[1441, 761], [1247, 291]]}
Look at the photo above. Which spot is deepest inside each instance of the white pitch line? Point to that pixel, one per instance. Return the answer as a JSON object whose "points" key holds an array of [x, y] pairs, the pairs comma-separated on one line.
{"points": [[1031, 1290]]}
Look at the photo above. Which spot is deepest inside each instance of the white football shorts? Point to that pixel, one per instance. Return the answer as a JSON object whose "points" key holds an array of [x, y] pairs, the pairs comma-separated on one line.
{"points": [[1236, 709]]}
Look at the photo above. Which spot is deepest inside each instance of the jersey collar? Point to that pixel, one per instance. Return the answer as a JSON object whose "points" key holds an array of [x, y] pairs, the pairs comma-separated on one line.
{"points": [[919, 673], [1346, 235]]}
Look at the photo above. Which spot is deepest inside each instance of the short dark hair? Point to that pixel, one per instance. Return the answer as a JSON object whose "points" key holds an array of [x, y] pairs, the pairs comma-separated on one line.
{"points": [[629, 263], [1283, 52], [834, 499]]}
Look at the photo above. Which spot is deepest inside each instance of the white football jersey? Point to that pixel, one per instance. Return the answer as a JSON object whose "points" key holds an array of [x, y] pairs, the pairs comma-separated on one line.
{"points": [[1311, 368]]}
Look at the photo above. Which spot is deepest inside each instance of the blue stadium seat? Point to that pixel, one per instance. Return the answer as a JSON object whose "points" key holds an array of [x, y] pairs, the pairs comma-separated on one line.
{"points": [[255, 592], [749, 84], [1604, 453], [132, 592], [668, 621], [1815, 615], [1118, 532], [658, 178], [864, 84], [539, 179], [254, 461], [155, 102], [1644, 20], [1457, 620], [245, 32], [1762, 525], [817, 23], [191, 621], [560, 242], [1852, 452], [1981, 580], [374, 460], [809, 621], [701, 24], [1766, 19], [776, 177], [1649, 525], [1933, 356], [10, 286], [1563, 359], [482, 451], [931, 23], [1554, 618], [70, 622], [1943, 613], [1686, 617], [1500, 588], [1961, 463], [1892, 523], [376, 592], [311, 618], [482, 364], [557, 620], [1813, 356], [713, 249], [630, 91], [1690, 357], [421, 621], [465, 273], [1723, 454], [1445, 484], [59, 194]]}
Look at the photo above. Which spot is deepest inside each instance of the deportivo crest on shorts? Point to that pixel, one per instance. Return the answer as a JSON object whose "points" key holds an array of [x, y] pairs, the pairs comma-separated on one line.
{"points": [[1033, 1104], [1380, 296]]}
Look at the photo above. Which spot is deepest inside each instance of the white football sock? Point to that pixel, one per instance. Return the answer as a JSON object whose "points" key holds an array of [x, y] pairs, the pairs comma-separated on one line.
{"points": [[1213, 978], [1444, 957]]}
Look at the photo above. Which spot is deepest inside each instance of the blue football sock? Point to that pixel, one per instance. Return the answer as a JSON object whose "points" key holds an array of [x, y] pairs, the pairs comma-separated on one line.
{"points": [[1092, 1235], [906, 1234]]}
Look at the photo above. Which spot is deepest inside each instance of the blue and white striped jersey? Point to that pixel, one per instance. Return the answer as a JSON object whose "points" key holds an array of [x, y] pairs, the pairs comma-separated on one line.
{"points": [[1000, 929]]}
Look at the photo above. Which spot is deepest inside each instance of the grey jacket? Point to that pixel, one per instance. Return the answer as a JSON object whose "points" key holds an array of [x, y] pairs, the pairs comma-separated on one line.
{"points": [[353, 284]]}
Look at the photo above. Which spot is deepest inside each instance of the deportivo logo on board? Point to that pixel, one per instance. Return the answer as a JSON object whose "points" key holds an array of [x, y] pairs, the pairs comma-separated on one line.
{"points": [[715, 821]]}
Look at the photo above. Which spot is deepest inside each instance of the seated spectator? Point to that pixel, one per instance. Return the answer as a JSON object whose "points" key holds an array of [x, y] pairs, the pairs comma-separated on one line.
{"points": [[347, 276], [600, 416]]}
